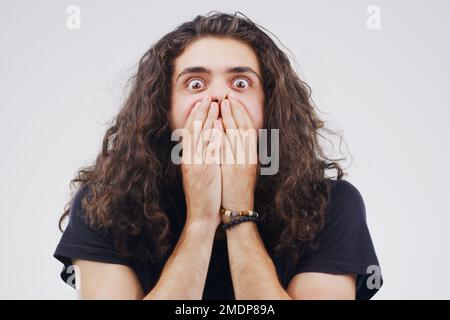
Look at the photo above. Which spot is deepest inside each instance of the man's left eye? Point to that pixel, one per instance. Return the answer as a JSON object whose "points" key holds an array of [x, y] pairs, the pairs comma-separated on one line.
{"points": [[241, 83]]}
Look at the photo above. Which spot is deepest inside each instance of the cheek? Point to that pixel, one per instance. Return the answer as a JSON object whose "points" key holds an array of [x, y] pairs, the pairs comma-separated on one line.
{"points": [[255, 110], [180, 111]]}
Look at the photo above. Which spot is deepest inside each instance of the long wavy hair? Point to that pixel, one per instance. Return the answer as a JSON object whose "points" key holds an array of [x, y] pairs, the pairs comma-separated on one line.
{"points": [[136, 191]]}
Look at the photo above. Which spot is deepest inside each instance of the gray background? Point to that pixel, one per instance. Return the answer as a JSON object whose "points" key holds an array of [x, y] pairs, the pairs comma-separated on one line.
{"points": [[385, 89]]}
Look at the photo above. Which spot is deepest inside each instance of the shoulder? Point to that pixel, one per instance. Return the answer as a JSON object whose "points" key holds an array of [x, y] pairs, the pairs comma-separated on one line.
{"points": [[77, 213], [346, 202], [81, 240], [343, 190], [345, 224], [344, 246], [80, 226], [79, 195]]}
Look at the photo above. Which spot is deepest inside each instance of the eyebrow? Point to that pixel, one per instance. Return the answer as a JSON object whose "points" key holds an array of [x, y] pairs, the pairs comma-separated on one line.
{"points": [[205, 70]]}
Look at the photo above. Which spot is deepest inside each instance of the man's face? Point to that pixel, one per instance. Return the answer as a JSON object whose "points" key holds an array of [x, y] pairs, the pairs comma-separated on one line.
{"points": [[215, 67]]}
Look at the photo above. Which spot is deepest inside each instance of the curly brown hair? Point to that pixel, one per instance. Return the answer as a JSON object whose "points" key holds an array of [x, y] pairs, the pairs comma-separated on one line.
{"points": [[136, 190]]}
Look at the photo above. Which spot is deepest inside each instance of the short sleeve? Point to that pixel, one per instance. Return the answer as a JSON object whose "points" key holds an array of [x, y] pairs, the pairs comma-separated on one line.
{"points": [[82, 241], [345, 245]]}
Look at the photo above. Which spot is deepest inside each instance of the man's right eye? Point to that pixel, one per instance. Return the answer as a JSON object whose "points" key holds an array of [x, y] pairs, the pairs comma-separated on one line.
{"points": [[195, 84]]}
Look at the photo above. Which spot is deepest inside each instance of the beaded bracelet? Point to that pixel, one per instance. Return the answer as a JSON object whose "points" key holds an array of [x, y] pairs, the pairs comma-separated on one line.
{"points": [[229, 215], [255, 218]]}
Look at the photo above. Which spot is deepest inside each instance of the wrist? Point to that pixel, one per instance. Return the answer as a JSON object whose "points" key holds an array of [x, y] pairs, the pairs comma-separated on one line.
{"points": [[245, 233], [201, 225], [239, 206]]}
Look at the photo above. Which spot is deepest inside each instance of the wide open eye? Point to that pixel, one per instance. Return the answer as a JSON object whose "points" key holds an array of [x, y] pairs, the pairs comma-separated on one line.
{"points": [[241, 83], [195, 84]]}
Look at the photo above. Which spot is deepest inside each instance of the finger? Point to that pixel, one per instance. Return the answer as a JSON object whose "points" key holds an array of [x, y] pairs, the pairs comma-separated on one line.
{"points": [[226, 152], [247, 129], [188, 141], [213, 114], [227, 116], [230, 127], [199, 119], [238, 114], [244, 112], [190, 119], [214, 144]]}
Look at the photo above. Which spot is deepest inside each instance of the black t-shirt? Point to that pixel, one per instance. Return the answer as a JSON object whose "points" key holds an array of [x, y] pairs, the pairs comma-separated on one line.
{"points": [[345, 246]]}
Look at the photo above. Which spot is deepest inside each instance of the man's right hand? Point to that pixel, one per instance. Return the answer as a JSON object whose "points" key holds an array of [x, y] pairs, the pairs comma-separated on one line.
{"points": [[202, 182]]}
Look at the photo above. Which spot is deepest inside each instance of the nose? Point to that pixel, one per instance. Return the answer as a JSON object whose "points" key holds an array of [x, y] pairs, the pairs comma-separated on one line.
{"points": [[219, 98]]}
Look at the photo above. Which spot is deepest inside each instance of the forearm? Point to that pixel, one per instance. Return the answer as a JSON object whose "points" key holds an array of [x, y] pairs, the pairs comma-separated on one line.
{"points": [[184, 274], [252, 270]]}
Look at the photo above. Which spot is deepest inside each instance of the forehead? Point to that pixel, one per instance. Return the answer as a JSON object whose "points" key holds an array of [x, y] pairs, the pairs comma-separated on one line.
{"points": [[217, 54]]}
